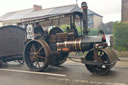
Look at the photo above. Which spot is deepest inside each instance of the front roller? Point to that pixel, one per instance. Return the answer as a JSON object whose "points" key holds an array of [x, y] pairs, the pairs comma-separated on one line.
{"points": [[106, 59], [36, 55]]}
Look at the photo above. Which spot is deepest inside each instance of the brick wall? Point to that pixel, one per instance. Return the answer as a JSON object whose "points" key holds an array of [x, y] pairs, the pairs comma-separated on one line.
{"points": [[124, 10]]}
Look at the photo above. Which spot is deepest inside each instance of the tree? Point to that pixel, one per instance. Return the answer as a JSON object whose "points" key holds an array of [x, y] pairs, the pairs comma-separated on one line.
{"points": [[107, 27]]}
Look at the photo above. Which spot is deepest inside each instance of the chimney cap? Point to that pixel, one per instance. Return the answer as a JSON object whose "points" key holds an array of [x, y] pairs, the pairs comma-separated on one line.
{"points": [[37, 7]]}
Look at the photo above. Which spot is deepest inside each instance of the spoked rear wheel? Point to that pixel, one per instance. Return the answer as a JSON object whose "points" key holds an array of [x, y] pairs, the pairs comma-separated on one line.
{"points": [[59, 59], [98, 69], [36, 55]]}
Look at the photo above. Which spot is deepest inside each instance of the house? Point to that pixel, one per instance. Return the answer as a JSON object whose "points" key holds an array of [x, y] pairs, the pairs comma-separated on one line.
{"points": [[94, 19], [38, 13], [1, 23]]}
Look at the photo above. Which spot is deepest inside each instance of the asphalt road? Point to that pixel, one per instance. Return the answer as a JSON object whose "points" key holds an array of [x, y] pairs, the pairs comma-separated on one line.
{"points": [[70, 73]]}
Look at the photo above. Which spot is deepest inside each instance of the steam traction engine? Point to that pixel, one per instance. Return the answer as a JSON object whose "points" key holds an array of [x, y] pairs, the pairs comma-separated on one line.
{"points": [[53, 48]]}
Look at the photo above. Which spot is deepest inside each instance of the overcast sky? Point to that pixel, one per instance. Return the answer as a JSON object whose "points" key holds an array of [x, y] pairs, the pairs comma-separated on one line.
{"points": [[109, 9]]}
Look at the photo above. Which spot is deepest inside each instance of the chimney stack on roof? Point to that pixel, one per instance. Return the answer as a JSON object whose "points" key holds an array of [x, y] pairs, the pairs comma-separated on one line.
{"points": [[37, 7]]}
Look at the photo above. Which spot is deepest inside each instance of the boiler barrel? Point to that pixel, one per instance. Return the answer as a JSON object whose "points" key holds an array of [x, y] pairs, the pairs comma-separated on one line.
{"points": [[76, 45], [80, 44]]}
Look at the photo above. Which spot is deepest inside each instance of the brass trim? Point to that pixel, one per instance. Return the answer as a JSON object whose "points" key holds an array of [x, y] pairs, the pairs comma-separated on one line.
{"points": [[57, 44], [80, 44], [65, 44], [75, 45]]}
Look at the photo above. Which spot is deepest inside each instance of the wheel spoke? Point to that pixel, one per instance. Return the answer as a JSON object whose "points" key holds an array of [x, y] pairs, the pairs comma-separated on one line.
{"points": [[31, 54], [33, 60], [39, 50], [38, 64], [33, 48], [42, 57]]}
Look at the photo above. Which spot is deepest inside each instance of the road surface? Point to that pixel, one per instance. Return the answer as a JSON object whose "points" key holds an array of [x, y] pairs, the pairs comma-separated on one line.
{"points": [[70, 73]]}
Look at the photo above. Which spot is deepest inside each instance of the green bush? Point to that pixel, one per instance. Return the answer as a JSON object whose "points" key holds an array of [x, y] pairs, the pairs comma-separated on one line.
{"points": [[64, 27], [93, 32], [120, 31]]}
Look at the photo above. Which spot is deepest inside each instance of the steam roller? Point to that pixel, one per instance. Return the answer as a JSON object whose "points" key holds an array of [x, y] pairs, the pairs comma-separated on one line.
{"points": [[53, 47]]}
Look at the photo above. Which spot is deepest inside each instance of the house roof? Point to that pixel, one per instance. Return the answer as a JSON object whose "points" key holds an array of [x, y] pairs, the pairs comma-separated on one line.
{"points": [[30, 13], [15, 15], [90, 12]]}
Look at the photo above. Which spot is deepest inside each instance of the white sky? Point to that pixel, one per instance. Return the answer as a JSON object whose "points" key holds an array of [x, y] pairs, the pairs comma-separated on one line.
{"points": [[109, 9]]}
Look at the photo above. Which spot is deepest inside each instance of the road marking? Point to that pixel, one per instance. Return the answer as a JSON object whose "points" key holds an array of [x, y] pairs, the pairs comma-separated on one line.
{"points": [[86, 81], [42, 73]]}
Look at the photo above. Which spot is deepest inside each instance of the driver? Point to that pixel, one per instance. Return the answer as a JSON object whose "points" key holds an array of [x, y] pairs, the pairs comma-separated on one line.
{"points": [[38, 31]]}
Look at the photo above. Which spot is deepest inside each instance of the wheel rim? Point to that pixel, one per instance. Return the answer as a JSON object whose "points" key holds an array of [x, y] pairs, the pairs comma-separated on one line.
{"points": [[98, 69], [35, 56]]}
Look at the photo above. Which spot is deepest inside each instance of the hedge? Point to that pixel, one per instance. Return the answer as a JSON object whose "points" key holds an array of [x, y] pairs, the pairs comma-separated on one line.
{"points": [[120, 31], [64, 27], [93, 32]]}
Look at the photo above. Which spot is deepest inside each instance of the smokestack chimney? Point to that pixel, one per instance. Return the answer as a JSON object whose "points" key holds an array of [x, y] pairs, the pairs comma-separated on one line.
{"points": [[85, 17], [37, 7]]}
